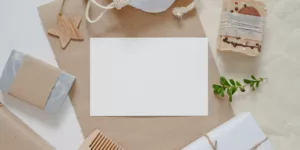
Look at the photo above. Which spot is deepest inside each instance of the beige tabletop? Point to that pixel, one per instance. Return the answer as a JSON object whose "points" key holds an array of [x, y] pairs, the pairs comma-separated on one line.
{"points": [[275, 105]]}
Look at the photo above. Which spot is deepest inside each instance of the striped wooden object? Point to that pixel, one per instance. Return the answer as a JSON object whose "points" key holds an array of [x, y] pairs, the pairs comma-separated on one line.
{"points": [[99, 141]]}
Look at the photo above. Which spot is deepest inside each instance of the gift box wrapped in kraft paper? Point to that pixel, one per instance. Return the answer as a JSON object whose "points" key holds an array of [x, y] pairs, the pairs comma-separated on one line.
{"points": [[239, 133], [16, 135], [34, 81]]}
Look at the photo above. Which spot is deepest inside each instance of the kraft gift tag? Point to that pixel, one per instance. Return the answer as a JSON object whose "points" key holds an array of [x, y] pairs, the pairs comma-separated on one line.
{"points": [[133, 133], [15, 135], [34, 82]]}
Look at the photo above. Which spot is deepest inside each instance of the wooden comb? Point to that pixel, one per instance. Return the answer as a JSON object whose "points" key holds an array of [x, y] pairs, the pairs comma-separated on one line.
{"points": [[99, 141]]}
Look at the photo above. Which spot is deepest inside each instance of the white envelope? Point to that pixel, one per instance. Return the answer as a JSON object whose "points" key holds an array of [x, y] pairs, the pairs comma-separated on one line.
{"points": [[148, 77], [239, 133]]}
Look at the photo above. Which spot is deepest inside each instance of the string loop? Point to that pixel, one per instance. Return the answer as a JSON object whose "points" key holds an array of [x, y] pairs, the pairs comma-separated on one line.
{"points": [[213, 146], [180, 11], [118, 4]]}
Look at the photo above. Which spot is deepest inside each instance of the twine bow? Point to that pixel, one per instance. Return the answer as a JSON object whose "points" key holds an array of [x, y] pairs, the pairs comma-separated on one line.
{"points": [[258, 144], [214, 146]]}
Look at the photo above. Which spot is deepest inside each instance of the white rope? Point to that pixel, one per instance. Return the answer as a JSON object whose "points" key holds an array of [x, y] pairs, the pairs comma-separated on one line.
{"points": [[118, 4], [180, 11]]}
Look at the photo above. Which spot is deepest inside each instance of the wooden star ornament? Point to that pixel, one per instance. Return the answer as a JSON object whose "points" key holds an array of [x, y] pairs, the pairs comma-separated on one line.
{"points": [[66, 29]]}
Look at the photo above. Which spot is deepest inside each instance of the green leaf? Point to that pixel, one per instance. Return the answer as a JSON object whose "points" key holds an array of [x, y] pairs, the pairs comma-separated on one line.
{"points": [[247, 81], [257, 84], [242, 89], [238, 83], [230, 98], [234, 90], [229, 92], [232, 82], [222, 93], [253, 77], [219, 90], [253, 88], [251, 84], [224, 81], [215, 86], [216, 91]]}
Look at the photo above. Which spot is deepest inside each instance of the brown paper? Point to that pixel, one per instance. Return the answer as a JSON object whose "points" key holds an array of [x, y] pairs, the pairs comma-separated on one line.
{"points": [[133, 133], [15, 135], [34, 81]]}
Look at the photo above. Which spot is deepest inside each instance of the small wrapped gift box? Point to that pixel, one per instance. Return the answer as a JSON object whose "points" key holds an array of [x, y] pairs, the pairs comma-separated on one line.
{"points": [[36, 82], [242, 26], [239, 133]]}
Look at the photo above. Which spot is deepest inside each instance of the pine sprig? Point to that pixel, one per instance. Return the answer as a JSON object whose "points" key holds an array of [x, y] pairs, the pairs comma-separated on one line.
{"points": [[231, 86]]}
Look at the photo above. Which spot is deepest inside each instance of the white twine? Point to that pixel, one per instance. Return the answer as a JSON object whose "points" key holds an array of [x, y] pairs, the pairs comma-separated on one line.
{"points": [[180, 11], [118, 4]]}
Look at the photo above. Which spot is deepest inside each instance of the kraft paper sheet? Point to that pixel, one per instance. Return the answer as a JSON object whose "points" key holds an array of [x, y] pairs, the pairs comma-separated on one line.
{"points": [[31, 78], [16, 135], [133, 133]]}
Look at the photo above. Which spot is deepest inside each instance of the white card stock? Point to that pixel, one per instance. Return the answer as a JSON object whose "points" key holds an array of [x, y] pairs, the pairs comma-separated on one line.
{"points": [[148, 77]]}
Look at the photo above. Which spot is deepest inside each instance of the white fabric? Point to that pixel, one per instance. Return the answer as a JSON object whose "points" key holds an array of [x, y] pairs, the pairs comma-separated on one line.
{"points": [[275, 105], [151, 6], [239, 25], [239, 133]]}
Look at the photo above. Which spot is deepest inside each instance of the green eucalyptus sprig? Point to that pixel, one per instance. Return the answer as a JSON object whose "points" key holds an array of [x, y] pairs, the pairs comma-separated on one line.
{"points": [[231, 86]]}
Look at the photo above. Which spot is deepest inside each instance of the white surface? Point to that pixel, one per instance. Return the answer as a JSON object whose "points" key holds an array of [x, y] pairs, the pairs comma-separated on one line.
{"points": [[239, 133], [275, 106], [148, 77], [21, 29]]}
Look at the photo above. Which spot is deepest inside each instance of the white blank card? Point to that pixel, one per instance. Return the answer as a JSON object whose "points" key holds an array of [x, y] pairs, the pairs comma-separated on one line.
{"points": [[148, 77]]}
